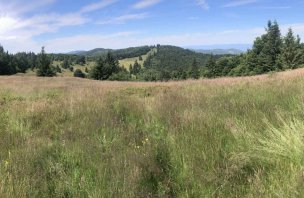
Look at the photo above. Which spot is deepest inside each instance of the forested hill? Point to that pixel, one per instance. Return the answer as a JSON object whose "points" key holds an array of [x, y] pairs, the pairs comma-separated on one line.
{"points": [[174, 58], [118, 53]]}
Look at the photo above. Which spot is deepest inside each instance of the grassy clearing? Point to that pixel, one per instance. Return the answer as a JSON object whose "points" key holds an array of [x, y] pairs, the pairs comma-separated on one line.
{"points": [[128, 61], [68, 73], [230, 137]]}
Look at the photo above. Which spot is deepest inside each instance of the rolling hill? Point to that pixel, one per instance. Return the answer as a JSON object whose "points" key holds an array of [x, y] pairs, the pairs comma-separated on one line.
{"points": [[117, 53]]}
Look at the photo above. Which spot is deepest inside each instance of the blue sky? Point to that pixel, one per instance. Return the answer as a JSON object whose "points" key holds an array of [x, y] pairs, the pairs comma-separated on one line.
{"points": [[67, 25]]}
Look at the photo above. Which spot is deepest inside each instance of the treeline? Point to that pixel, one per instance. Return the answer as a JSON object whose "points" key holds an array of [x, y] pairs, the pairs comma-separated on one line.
{"points": [[20, 62]]}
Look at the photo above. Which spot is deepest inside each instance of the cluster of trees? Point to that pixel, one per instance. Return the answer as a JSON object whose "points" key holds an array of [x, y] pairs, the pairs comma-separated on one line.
{"points": [[270, 52], [108, 69], [18, 63]]}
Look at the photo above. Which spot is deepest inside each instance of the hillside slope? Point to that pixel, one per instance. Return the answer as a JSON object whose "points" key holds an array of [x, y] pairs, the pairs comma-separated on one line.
{"points": [[175, 58]]}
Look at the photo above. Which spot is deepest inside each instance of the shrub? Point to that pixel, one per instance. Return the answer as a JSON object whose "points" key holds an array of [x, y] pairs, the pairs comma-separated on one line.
{"points": [[79, 74]]}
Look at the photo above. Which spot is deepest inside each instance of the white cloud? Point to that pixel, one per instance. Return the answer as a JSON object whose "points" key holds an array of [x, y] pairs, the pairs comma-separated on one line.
{"points": [[145, 3], [203, 4], [136, 38], [17, 31], [124, 18], [89, 41], [97, 6], [238, 3], [17, 7]]}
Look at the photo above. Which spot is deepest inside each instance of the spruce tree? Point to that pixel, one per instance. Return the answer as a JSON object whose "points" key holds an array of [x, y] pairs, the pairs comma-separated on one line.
{"points": [[211, 66], [44, 65], [135, 68], [194, 72], [97, 72], [292, 55]]}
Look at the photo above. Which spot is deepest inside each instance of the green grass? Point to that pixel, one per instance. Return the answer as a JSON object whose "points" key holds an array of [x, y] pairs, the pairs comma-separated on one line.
{"points": [[211, 138]]}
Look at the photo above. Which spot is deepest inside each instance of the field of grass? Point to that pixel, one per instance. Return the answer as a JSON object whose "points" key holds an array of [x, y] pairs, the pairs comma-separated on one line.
{"points": [[229, 137]]}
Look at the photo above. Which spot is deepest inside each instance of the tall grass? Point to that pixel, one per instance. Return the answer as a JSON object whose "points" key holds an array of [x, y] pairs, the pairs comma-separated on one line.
{"points": [[67, 137]]}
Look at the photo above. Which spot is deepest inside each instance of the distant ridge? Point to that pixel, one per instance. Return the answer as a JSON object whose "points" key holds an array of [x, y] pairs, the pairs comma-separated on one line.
{"points": [[118, 53], [219, 51], [203, 50]]}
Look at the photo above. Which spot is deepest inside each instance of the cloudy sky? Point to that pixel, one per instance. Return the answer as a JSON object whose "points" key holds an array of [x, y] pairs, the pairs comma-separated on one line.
{"points": [[68, 25]]}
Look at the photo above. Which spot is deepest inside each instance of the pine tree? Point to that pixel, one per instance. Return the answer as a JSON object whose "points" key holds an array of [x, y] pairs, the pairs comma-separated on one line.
{"points": [[194, 72], [272, 48], [136, 68], [66, 63], [97, 72], [265, 54], [44, 65], [292, 55], [6, 66], [211, 67]]}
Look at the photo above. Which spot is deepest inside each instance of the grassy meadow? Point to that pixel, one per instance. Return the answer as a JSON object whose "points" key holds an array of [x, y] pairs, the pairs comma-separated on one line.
{"points": [[228, 137]]}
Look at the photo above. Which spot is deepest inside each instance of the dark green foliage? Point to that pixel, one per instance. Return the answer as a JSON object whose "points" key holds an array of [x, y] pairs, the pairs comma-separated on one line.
{"points": [[122, 75], [292, 53], [117, 54], [44, 65], [86, 70], [66, 63], [97, 72], [6, 67], [270, 52], [135, 69], [150, 75], [58, 69], [81, 60], [20, 62], [79, 74], [211, 66], [105, 68], [194, 72], [170, 62], [71, 69]]}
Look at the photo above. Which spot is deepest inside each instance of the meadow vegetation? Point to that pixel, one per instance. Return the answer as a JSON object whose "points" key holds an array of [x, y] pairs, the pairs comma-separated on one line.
{"points": [[227, 137]]}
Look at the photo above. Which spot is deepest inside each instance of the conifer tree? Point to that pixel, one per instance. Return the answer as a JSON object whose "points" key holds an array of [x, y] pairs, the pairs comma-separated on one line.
{"points": [[194, 72], [291, 55], [44, 65]]}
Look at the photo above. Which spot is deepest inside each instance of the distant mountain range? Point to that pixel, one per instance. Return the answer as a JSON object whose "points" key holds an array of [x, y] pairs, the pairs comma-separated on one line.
{"points": [[219, 51], [144, 49], [94, 52]]}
